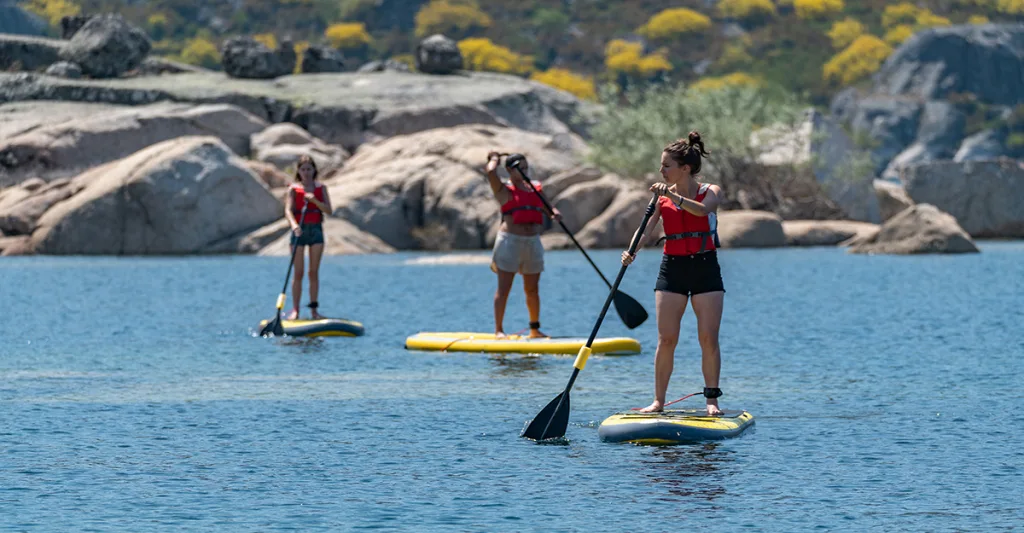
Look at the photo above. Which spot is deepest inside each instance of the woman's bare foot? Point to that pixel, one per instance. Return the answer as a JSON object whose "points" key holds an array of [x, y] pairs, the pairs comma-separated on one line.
{"points": [[316, 316], [500, 335], [537, 334], [713, 409], [655, 407], [293, 315]]}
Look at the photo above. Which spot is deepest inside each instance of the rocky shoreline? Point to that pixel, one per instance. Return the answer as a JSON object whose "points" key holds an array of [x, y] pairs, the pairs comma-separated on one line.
{"points": [[106, 153]]}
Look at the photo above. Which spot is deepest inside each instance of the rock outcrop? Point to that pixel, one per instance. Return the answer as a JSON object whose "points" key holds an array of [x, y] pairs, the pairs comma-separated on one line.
{"points": [[985, 197], [322, 59], [750, 229], [920, 229], [438, 54], [55, 139], [341, 108], [825, 232], [892, 198], [24, 52], [244, 57], [176, 197], [106, 46], [282, 145]]}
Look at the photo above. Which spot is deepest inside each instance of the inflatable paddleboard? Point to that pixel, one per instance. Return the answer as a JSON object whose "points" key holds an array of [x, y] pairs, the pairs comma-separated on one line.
{"points": [[486, 342], [324, 327], [673, 426]]}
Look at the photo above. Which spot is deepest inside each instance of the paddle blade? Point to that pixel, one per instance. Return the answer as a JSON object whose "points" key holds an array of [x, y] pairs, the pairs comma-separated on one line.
{"points": [[273, 327], [554, 417], [630, 311]]}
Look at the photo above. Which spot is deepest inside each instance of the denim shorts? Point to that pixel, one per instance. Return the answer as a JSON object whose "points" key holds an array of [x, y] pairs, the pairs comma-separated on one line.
{"points": [[311, 234]]}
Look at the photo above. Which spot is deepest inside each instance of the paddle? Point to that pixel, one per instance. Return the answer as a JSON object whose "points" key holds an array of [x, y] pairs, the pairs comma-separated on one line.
{"points": [[630, 311], [552, 421], [274, 326]]}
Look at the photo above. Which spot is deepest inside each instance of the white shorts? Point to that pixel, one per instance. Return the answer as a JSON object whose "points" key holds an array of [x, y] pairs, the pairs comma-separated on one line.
{"points": [[517, 253]]}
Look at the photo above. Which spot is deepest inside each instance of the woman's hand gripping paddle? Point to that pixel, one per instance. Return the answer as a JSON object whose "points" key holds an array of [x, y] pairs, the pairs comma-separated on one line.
{"points": [[552, 421], [274, 326], [630, 311]]}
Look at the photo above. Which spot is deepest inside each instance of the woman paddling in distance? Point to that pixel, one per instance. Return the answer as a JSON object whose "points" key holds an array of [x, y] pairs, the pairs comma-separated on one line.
{"points": [[308, 232], [689, 266], [517, 247]]}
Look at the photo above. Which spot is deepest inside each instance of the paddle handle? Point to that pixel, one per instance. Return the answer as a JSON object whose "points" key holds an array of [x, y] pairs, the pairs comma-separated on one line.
{"points": [[562, 224], [622, 271]]}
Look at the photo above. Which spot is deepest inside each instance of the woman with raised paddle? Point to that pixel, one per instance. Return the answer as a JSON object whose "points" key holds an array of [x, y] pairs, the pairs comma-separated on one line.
{"points": [[308, 196], [689, 267], [517, 247]]}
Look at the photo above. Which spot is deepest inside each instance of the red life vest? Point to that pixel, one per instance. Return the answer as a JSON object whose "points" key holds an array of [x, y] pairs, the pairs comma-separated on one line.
{"points": [[686, 233], [313, 214], [526, 207]]}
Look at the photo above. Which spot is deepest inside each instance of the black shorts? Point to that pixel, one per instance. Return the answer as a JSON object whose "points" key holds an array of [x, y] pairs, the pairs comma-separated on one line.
{"points": [[311, 234], [690, 274]]}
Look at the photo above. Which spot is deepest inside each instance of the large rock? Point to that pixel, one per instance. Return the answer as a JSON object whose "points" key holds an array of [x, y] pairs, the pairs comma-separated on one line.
{"points": [[176, 197], [939, 134], [155, 66], [282, 145], [614, 228], [892, 198], [340, 238], [581, 203], [107, 46], [381, 66], [438, 54], [16, 21], [987, 144], [65, 69], [322, 59], [23, 52], [244, 57], [920, 229], [19, 216], [825, 232], [985, 197], [428, 191], [17, 245], [750, 229], [343, 108], [560, 181], [821, 144], [37, 144], [985, 60], [70, 24]]}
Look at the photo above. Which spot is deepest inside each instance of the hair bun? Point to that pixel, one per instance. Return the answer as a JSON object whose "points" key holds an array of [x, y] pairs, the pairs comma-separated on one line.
{"points": [[694, 137]]}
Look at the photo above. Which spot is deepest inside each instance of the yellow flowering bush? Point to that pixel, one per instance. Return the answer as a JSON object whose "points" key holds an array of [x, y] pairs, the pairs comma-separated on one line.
{"points": [[454, 18], [814, 9], [845, 32], [736, 79], [673, 23], [747, 10], [347, 35], [627, 58], [568, 81], [482, 54], [863, 57]]}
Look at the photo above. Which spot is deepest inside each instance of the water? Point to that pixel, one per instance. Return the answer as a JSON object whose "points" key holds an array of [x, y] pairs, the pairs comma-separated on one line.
{"points": [[887, 394]]}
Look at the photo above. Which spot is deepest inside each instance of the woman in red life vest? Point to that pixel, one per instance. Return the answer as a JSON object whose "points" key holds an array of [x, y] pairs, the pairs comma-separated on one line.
{"points": [[689, 266], [308, 232], [517, 247]]}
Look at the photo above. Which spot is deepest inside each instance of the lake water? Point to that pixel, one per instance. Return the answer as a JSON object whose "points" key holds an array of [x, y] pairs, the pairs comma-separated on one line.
{"points": [[133, 397]]}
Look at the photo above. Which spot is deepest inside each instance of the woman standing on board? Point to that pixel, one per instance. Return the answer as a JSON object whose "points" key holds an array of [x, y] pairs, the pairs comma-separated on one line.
{"points": [[307, 232], [517, 247], [689, 266]]}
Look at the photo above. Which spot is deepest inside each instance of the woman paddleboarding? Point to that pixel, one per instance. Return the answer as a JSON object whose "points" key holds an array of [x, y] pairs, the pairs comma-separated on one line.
{"points": [[517, 247], [689, 266], [308, 232]]}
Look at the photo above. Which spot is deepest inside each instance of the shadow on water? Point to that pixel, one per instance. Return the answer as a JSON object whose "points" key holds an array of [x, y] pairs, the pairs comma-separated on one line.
{"points": [[516, 365], [305, 345], [688, 471]]}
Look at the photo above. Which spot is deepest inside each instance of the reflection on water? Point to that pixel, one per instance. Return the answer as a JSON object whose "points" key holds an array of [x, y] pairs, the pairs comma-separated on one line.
{"points": [[689, 471], [306, 345]]}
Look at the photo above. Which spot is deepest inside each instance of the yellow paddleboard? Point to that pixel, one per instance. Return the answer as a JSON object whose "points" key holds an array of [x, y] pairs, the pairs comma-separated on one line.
{"points": [[674, 426], [487, 342]]}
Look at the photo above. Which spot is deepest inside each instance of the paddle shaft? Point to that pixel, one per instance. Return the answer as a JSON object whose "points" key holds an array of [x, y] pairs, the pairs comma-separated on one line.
{"points": [[604, 310], [560, 223], [295, 248]]}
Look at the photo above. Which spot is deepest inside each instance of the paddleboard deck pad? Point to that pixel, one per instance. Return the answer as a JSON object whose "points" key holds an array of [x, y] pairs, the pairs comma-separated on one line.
{"points": [[487, 342], [324, 327], [673, 426]]}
